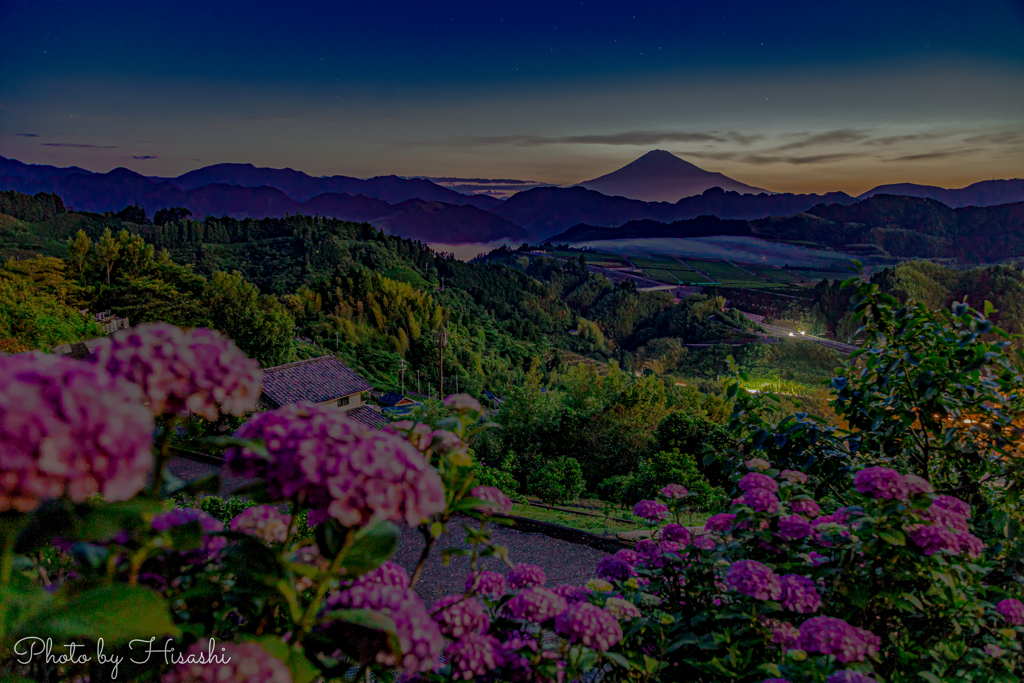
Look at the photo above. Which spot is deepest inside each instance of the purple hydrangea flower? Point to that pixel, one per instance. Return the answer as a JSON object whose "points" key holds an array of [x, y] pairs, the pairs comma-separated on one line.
{"points": [[954, 505], [934, 538], [458, 615], [629, 556], [387, 574], [343, 469], [419, 636], [850, 676], [536, 604], [653, 554], [181, 516], [761, 500], [676, 533], [832, 636], [794, 527], [244, 663], [805, 508], [720, 523], [704, 543], [590, 625], [755, 480], [799, 594], [264, 522], [490, 584], [69, 428], [572, 594], [495, 502], [200, 371], [613, 568], [526, 576], [816, 559], [784, 634], [473, 655], [753, 579], [1012, 610], [651, 510], [881, 482], [674, 491]]}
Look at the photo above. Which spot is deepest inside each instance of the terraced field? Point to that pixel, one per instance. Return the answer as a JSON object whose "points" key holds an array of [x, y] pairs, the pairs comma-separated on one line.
{"points": [[669, 270], [594, 258], [788, 277], [727, 274]]}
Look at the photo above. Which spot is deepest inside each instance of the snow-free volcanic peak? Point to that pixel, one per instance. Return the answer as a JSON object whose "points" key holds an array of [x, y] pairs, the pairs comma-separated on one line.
{"points": [[661, 176]]}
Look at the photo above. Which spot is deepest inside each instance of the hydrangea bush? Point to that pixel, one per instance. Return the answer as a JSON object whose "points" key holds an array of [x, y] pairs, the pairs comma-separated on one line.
{"points": [[851, 572]]}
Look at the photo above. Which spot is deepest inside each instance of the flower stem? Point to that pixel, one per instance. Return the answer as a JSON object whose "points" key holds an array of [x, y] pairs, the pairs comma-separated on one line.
{"points": [[162, 455], [307, 620]]}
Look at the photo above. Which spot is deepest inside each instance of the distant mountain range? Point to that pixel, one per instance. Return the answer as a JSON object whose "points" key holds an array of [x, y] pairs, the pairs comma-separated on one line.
{"points": [[420, 209], [661, 176]]}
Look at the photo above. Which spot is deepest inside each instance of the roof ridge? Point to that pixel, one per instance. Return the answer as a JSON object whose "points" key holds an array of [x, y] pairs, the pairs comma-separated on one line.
{"points": [[296, 363]]}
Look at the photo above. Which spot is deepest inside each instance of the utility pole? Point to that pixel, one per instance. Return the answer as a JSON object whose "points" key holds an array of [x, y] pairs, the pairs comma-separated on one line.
{"points": [[418, 390], [442, 341], [402, 361]]}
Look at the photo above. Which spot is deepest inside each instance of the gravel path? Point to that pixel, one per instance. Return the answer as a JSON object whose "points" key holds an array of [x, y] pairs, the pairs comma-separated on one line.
{"points": [[563, 562]]}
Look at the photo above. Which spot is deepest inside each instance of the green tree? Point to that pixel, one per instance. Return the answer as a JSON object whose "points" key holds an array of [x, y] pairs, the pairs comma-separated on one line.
{"points": [[259, 323]]}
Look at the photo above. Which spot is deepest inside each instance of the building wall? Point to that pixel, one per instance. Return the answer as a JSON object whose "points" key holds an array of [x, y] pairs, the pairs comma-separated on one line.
{"points": [[354, 401]]}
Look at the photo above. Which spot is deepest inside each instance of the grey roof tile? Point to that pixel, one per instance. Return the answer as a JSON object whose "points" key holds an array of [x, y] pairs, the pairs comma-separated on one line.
{"points": [[316, 380]]}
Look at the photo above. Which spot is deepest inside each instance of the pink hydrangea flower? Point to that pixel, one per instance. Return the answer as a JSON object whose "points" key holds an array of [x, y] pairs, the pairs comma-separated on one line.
{"points": [[753, 579], [463, 403], [629, 556], [720, 523], [590, 625], [1012, 610], [674, 491], [613, 568], [761, 500], [653, 554], [242, 663], [495, 502], [784, 634], [200, 371], [487, 583], [832, 636], [794, 527], [651, 510], [971, 544], [947, 518], [805, 508], [954, 505], [881, 482], [342, 468], [69, 428], [799, 594], [419, 636], [916, 486], [473, 655], [536, 605], [526, 576], [755, 480], [387, 574], [458, 615], [264, 522], [934, 538], [793, 476], [993, 650], [850, 676]]}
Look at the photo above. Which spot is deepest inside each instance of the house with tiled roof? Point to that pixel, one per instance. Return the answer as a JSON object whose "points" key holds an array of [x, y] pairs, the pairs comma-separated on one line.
{"points": [[324, 380]]}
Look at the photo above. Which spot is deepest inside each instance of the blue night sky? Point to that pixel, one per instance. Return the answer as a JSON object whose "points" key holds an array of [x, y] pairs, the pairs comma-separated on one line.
{"points": [[791, 96]]}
